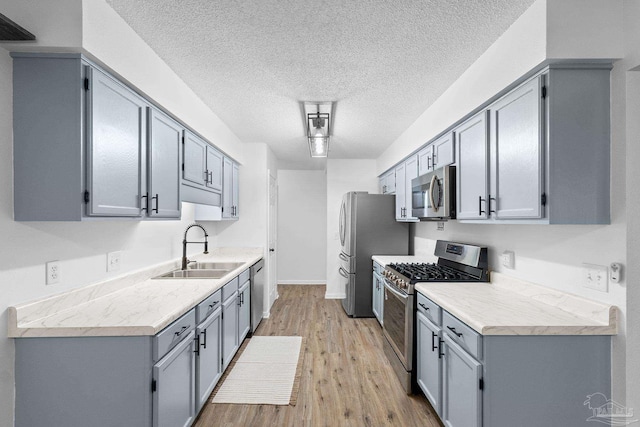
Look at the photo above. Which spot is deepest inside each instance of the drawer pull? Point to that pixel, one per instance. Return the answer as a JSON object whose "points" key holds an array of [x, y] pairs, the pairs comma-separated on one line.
{"points": [[181, 331], [458, 334], [213, 304], [423, 306]]}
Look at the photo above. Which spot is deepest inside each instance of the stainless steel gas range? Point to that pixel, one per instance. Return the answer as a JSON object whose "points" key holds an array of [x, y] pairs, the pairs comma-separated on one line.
{"points": [[457, 262]]}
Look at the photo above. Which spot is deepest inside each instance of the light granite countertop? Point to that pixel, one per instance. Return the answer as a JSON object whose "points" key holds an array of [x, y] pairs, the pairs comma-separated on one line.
{"points": [[134, 304], [509, 306]]}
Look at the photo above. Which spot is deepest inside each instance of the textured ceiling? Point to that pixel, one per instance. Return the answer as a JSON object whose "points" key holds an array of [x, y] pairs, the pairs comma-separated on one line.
{"points": [[382, 62]]}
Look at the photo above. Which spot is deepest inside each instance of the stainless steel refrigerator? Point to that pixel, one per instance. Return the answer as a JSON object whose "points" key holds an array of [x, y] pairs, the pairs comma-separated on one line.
{"points": [[367, 227]]}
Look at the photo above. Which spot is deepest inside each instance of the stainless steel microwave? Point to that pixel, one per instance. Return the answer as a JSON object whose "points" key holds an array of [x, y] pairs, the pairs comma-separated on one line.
{"points": [[434, 194]]}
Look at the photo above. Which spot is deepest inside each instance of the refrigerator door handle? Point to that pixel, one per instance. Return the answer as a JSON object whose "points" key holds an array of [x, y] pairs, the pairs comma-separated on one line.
{"points": [[343, 273], [343, 257]]}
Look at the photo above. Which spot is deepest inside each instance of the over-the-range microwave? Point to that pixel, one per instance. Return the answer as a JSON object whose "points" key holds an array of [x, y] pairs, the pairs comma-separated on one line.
{"points": [[434, 194]]}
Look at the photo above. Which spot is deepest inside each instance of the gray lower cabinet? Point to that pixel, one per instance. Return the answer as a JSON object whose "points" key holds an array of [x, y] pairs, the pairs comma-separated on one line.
{"points": [[208, 356], [429, 362], [378, 293], [174, 383], [244, 311], [230, 305], [154, 381], [475, 380], [461, 389]]}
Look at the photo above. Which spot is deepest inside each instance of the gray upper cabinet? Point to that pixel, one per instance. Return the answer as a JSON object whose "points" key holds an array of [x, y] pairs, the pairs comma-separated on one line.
{"points": [[404, 173], [472, 171], [547, 157], [116, 129], [388, 182], [195, 160], [516, 153], [437, 154], [97, 148], [164, 159], [214, 168], [230, 189]]}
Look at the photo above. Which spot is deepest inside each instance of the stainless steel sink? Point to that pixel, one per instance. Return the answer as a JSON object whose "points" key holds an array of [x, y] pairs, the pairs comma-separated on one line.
{"points": [[194, 274], [228, 266]]}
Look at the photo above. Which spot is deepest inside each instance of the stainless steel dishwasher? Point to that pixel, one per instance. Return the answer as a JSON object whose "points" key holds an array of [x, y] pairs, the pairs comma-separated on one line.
{"points": [[257, 294]]}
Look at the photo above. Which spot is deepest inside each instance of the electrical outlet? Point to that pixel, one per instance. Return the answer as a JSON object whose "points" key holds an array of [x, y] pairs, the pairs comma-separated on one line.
{"points": [[596, 277], [53, 272], [508, 259], [113, 261], [440, 225]]}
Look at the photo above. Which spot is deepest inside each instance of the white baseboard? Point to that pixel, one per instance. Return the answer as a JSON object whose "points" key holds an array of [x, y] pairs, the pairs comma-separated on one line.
{"points": [[302, 282], [334, 296]]}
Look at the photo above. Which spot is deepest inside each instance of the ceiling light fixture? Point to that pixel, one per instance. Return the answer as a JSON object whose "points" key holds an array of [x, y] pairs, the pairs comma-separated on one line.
{"points": [[318, 125]]}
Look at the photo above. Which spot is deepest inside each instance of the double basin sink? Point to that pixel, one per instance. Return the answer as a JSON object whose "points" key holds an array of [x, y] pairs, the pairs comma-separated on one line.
{"points": [[202, 270]]}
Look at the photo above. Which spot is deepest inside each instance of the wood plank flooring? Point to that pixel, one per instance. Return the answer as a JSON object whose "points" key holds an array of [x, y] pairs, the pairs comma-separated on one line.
{"points": [[346, 379]]}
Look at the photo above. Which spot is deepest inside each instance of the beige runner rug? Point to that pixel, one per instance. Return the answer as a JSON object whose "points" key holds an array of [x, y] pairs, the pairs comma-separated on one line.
{"points": [[266, 373]]}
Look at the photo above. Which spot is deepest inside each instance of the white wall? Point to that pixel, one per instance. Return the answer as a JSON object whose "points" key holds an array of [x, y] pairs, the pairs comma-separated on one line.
{"points": [[343, 175], [548, 29], [302, 227]]}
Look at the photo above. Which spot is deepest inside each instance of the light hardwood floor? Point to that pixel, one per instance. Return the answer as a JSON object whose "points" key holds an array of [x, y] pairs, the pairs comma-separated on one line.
{"points": [[346, 379]]}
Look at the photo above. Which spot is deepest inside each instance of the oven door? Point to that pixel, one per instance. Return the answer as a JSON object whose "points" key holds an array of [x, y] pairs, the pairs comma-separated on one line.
{"points": [[398, 323]]}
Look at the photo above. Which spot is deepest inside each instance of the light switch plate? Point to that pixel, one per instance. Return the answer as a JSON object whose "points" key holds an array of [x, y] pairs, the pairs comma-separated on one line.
{"points": [[596, 277], [113, 261]]}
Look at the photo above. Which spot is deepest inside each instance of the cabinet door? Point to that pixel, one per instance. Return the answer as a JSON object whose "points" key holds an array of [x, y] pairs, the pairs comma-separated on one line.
{"points": [[209, 363], [472, 170], [429, 362], [425, 158], [214, 168], [443, 153], [461, 394], [401, 189], [195, 160], [227, 188], [174, 395], [229, 329], [516, 152], [164, 160], [411, 171], [235, 179], [115, 148], [375, 296], [244, 312]]}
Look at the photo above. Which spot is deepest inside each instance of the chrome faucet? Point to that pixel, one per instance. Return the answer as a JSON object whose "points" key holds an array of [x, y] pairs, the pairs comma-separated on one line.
{"points": [[185, 261]]}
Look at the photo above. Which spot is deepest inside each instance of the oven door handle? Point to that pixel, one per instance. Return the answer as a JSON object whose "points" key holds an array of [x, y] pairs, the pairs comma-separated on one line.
{"points": [[343, 273], [388, 287]]}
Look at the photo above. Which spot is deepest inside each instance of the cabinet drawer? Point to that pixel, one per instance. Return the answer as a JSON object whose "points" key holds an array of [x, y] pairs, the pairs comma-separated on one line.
{"points": [[229, 289], [208, 306], [430, 309], [170, 336], [244, 276], [462, 334]]}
